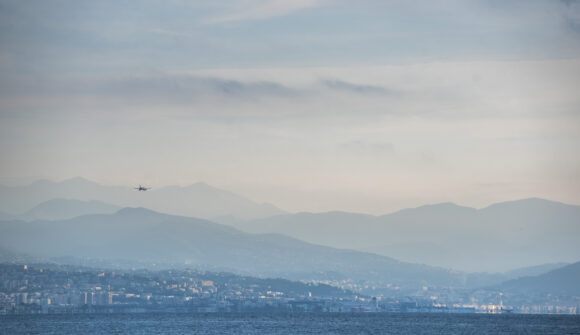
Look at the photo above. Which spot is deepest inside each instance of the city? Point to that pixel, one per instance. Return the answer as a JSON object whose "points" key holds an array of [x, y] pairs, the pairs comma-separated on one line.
{"points": [[52, 289]]}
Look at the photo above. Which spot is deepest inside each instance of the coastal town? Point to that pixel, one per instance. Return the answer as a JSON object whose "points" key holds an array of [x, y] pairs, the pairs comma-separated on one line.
{"points": [[51, 289]]}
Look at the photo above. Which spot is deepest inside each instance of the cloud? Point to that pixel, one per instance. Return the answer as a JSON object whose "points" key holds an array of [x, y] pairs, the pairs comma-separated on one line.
{"points": [[265, 9], [340, 85], [571, 15], [176, 88], [436, 91]]}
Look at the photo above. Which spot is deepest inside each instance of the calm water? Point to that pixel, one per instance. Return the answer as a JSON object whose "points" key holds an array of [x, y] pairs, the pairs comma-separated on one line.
{"points": [[289, 324]]}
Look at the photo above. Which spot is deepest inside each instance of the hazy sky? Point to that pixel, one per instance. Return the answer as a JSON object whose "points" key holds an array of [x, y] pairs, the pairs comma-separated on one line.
{"points": [[314, 105]]}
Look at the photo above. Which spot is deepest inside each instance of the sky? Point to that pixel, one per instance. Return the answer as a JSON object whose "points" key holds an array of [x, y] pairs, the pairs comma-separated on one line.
{"points": [[312, 105]]}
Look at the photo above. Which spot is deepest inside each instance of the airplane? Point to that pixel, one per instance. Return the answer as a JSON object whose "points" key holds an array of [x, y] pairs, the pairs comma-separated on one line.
{"points": [[142, 188]]}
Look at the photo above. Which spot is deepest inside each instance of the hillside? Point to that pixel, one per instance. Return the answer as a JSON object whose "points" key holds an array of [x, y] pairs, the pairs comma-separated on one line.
{"points": [[564, 281], [141, 235], [498, 238], [60, 209]]}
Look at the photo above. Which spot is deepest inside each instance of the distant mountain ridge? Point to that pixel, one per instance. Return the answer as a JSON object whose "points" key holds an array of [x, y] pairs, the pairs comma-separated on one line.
{"points": [[140, 234], [196, 200], [60, 209], [497, 238], [534, 270], [564, 281]]}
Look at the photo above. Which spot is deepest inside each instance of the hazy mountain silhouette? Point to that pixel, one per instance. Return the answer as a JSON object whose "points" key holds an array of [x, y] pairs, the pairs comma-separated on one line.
{"points": [[198, 200], [534, 270], [140, 234], [564, 281], [60, 209], [498, 238]]}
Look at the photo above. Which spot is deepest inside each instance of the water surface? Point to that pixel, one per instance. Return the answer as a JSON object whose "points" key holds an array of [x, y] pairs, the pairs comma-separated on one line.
{"points": [[380, 323]]}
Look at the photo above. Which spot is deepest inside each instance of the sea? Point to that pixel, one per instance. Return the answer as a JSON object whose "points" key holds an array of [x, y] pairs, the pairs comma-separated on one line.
{"points": [[306, 323]]}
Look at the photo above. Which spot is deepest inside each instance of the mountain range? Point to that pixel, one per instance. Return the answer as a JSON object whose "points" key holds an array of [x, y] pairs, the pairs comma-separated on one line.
{"points": [[563, 281], [497, 238], [60, 209], [197, 200], [139, 234]]}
